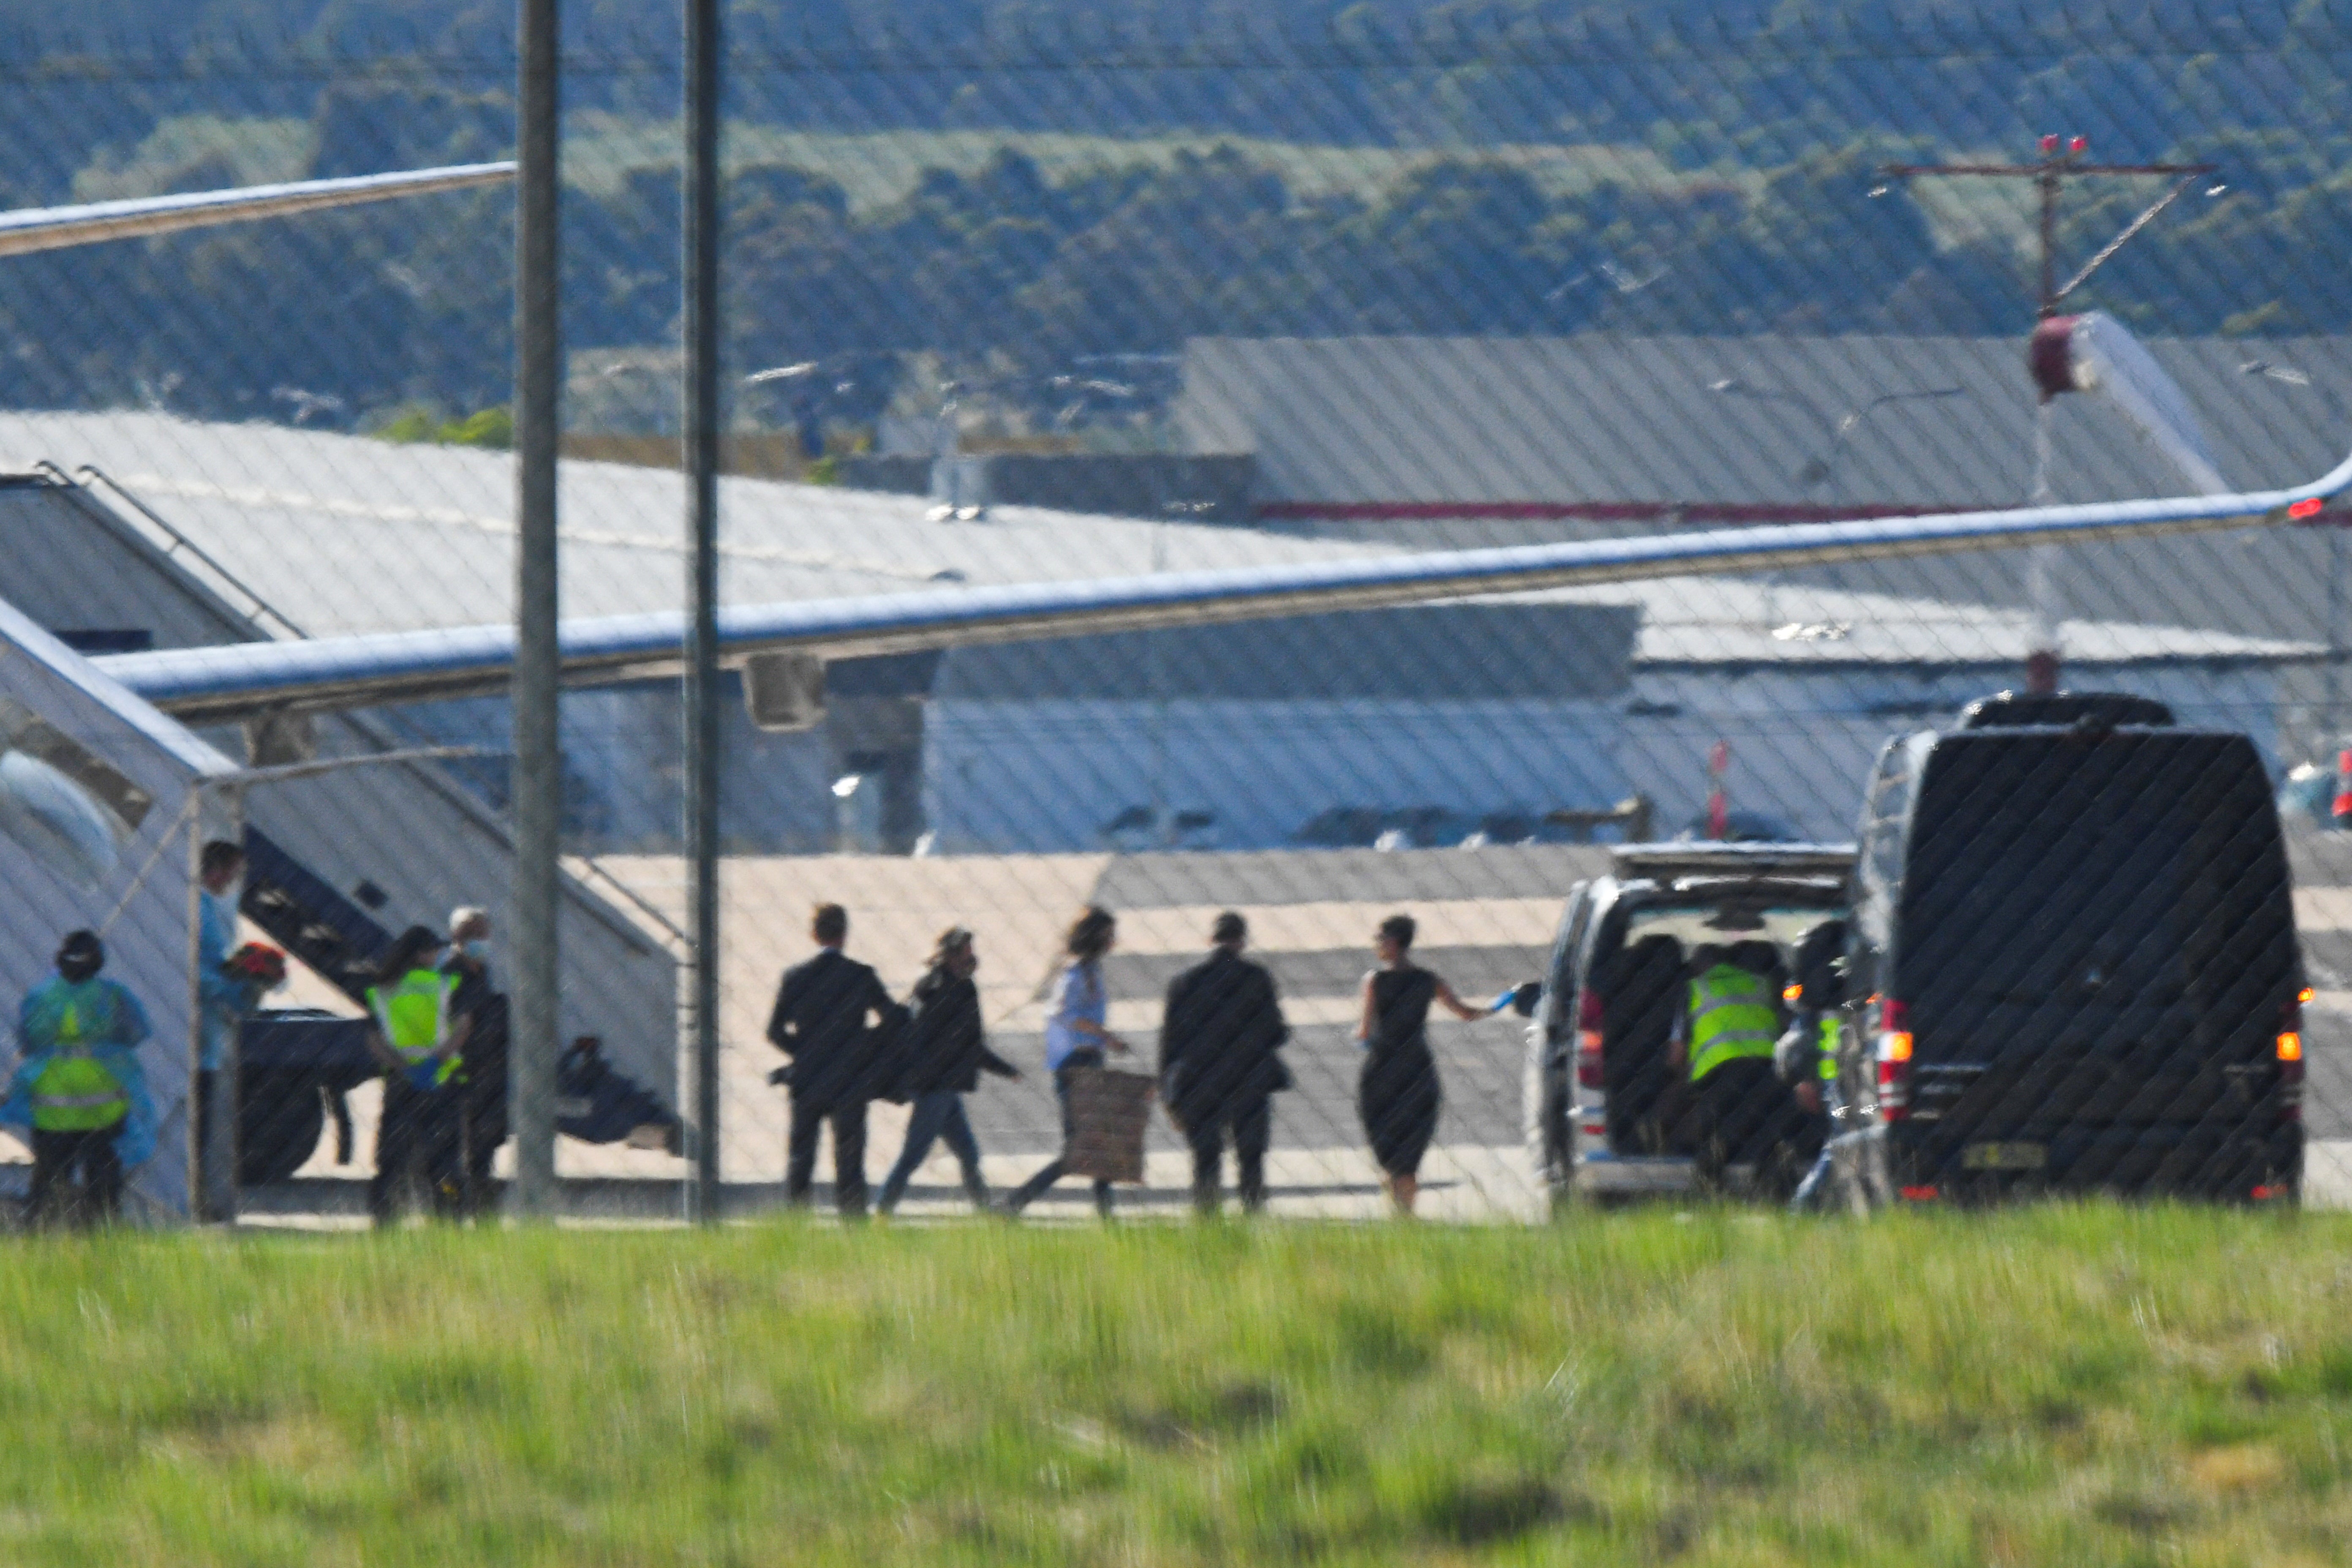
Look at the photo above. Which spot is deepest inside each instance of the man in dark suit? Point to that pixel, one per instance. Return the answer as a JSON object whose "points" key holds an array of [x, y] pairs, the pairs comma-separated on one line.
{"points": [[1218, 1063], [820, 1022]]}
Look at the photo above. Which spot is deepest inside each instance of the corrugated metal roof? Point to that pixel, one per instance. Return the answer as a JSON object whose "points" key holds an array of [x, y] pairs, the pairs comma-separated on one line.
{"points": [[1611, 419], [349, 534]]}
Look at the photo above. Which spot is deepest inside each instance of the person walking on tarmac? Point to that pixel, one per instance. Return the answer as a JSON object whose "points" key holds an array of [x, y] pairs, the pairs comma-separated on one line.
{"points": [[1078, 1035], [943, 1051], [420, 1040], [819, 1021], [79, 1088], [1724, 1036], [1219, 1066], [1806, 1057]]}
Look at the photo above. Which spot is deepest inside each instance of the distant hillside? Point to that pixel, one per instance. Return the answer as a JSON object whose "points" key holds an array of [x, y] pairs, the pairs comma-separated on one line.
{"points": [[1013, 190]]}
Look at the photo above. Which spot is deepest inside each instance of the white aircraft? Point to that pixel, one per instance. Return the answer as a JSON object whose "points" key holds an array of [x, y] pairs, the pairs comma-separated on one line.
{"points": [[58, 819]]}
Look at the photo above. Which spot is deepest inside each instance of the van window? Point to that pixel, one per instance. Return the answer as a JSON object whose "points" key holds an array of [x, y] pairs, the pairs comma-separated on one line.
{"points": [[2059, 877], [1559, 991], [1879, 871]]}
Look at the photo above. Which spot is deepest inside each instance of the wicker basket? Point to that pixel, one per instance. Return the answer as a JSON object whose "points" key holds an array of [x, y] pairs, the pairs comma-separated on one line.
{"points": [[1109, 1112]]}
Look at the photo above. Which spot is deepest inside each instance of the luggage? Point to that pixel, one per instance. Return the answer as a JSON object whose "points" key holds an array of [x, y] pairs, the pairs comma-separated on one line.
{"points": [[1109, 1112]]}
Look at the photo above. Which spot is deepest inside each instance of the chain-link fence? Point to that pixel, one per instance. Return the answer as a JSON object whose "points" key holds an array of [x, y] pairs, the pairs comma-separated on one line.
{"points": [[1028, 295]]}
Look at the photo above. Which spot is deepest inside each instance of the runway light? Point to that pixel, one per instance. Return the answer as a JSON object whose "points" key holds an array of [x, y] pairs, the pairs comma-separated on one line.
{"points": [[2266, 1192], [2309, 506], [2049, 144], [1920, 1194]]}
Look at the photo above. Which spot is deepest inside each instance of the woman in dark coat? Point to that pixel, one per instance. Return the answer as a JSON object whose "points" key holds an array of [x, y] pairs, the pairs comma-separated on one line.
{"points": [[944, 1052], [1398, 1094]]}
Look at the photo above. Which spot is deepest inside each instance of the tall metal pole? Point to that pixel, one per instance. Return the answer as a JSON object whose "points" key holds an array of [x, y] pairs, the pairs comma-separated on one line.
{"points": [[702, 693], [538, 772]]}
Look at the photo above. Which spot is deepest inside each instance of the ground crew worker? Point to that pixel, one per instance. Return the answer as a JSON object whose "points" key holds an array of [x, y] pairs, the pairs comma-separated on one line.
{"points": [[1807, 1055], [222, 998], [420, 1041], [79, 1087], [1724, 1036], [483, 1121]]}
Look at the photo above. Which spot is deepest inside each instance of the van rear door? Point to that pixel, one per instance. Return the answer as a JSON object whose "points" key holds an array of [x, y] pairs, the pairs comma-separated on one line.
{"points": [[2096, 941]]}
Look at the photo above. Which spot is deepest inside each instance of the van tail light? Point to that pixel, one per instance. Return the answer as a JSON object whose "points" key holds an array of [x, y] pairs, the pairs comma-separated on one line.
{"points": [[1893, 1060], [2290, 1057], [1588, 1016]]}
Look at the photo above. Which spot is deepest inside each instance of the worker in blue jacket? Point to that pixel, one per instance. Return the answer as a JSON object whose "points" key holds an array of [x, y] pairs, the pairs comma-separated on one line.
{"points": [[79, 1087]]}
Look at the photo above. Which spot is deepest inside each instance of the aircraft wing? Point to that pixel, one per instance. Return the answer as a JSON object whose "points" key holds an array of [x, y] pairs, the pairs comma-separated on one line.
{"points": [[243, 680], [53, 229]]}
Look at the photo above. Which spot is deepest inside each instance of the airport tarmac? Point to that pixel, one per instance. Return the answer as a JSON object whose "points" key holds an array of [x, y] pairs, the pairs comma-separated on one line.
{"points": [[1487, 916]]}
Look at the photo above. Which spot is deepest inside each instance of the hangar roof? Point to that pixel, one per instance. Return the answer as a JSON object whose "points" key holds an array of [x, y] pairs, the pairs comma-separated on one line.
{"points": [[346, 533]]}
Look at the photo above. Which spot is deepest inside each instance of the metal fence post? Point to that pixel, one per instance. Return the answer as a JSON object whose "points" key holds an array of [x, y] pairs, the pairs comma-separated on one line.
{"points": [[702, 693], [538, 772]]}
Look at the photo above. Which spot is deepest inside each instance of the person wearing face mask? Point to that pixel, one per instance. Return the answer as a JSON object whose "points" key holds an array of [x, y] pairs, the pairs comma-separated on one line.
{"points": [[484, 1090], [78, 1089], [223, 997]]}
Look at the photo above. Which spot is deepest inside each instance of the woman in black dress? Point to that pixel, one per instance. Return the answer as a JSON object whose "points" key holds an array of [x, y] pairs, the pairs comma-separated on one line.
{"points": [[1398, 1094]]}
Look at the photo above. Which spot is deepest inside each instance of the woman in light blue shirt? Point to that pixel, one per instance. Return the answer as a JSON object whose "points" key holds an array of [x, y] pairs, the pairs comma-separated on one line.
{"points": [[1077, 1035]]}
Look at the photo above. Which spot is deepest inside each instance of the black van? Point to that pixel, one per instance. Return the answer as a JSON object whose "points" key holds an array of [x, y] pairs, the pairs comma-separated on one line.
{"points": [[2075, 932]]}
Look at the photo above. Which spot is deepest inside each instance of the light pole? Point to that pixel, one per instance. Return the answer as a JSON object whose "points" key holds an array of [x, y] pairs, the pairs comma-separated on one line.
{"points": [[2288, 375], [1822, 465]]}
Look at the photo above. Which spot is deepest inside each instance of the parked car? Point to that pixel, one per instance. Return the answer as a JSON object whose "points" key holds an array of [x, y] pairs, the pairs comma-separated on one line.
{"points": [[2073, 929], [1600, 1100]]}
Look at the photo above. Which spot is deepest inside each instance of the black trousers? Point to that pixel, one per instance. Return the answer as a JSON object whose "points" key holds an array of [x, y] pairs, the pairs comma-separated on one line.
{"points": [[57, 1157], [486, 1129], [848, 1119], [1250, 1124], [202, 1103], [1742, 1113], [422, 1129]]}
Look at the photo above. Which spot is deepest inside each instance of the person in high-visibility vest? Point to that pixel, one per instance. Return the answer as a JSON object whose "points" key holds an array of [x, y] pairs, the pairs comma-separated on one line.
{"points": [[1724, 1037], [420, 1040], [79, 1087]]}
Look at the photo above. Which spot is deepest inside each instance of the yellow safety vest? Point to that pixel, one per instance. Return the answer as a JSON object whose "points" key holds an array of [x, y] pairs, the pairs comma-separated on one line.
{"points": [[1829, 1048], [414, 1015], [1731, 1019], [73, 1092]]}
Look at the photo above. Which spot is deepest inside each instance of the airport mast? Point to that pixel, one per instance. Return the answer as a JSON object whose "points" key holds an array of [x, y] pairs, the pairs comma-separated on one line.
{"points": [[2046, 351]]}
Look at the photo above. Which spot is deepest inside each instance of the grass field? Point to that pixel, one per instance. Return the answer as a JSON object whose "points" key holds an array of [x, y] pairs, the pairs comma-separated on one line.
{"points": [[2078, 1386]]}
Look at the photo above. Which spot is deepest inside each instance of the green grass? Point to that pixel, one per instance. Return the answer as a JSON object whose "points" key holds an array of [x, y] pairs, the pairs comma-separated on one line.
{"points": [[2059, 1386]]}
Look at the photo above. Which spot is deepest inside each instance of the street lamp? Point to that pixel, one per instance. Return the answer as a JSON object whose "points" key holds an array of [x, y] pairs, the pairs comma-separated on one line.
{"points": [[1817, 468]]}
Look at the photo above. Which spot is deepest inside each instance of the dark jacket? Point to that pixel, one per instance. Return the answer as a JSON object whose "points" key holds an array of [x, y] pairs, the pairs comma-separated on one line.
{"points": [[1218, 1039], [820, 1021], [943, 1046]]}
